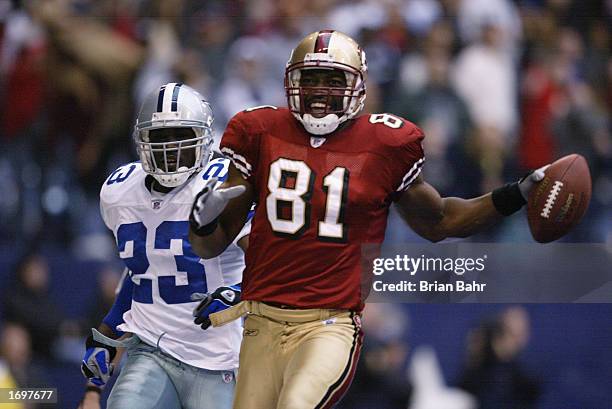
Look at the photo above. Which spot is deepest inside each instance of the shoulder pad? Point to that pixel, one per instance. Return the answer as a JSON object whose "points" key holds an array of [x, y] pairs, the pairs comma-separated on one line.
{"points": [[394, 130], [122, 173], [121, 180], [389, 120]]}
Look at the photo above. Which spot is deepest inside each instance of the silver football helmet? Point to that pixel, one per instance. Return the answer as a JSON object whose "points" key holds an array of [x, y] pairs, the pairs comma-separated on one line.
{"points": [[174, 105]]}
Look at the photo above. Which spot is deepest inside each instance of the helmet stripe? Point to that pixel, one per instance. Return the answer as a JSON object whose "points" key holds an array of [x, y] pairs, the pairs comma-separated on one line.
{"points": [[322, 43], [160, 98], [175, 93]]}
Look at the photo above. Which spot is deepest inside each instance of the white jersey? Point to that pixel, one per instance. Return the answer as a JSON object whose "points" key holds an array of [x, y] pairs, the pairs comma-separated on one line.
{"points": [[152, 230]]}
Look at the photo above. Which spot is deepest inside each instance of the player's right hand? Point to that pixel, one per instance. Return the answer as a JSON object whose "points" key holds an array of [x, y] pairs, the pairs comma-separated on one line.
{"points": [[209, 204], [531, 179], [96, 365]]}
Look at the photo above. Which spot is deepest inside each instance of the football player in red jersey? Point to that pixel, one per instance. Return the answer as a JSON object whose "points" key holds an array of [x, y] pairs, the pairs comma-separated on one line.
{"points": [[324, 179]]}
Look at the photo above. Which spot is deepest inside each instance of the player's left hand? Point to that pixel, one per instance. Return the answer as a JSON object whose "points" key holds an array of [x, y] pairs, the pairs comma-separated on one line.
{"points": [[209, 204], [221, 299], [530, 179]]}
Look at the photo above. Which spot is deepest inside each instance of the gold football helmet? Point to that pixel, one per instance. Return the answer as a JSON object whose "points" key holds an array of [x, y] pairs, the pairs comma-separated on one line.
{"points": [[326, 50]]}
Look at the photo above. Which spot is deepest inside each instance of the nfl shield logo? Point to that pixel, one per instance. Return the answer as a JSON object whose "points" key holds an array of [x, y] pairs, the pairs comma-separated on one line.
{"points": [[228, 377], [156, 204], [316, 141]]}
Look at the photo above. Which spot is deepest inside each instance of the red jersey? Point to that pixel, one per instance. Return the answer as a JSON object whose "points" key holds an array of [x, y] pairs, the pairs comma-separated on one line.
{"points": [[318, 201]]}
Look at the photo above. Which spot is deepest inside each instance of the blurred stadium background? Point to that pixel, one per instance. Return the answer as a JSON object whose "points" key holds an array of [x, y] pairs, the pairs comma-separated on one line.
{"points": [[499, 86]]}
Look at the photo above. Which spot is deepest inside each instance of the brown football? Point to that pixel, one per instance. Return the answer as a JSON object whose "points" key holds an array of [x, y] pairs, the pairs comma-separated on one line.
{"points": [[558, 202]]}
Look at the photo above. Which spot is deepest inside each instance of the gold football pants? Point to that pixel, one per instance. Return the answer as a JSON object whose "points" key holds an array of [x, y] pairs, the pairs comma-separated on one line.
{"points": [[296, 359]]}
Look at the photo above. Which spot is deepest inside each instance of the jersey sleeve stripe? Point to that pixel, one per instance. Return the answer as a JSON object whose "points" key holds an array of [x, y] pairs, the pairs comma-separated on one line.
{"points": [[406, 184], [241, 168], [239, 161], [411, 175], [236, 156]]}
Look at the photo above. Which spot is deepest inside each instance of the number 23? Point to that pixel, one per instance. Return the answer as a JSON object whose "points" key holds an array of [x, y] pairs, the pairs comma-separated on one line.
{"points": [[131, 242]]}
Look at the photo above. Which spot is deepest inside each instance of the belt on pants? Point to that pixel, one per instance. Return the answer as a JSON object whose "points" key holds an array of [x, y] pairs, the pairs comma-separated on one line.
{"points": [[277, 314]]}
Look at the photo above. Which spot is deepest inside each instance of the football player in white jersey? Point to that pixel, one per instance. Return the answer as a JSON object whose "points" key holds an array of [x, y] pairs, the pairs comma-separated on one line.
{"points": [[172, 363]]}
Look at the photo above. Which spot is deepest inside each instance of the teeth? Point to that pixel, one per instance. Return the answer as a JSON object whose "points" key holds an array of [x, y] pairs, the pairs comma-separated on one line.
{"points": [[319, 106]]}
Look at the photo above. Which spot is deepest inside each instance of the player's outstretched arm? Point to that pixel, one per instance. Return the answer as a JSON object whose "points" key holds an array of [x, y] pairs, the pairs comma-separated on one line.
{"points": [[215, 224], [436, 218]]}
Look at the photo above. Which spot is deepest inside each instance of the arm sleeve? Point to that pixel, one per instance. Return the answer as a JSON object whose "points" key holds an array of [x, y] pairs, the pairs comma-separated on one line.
{"points": [[241, 146], [123, 302]]}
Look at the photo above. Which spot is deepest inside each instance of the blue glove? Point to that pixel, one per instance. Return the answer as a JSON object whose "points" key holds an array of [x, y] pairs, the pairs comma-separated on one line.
{"points": [[97, 366], [221, 299]]}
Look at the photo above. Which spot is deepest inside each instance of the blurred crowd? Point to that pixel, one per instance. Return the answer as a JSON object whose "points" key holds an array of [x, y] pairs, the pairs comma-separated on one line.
{"points": [[492, 375], [498, 86], [482, 357]]}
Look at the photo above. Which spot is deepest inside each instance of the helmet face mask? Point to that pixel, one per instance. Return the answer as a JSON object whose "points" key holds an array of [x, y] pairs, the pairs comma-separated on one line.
{"points": [[335, 53], [173, 149], [173, 134], [332, 97]]}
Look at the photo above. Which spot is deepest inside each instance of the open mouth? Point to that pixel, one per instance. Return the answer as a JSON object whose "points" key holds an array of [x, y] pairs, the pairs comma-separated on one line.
{"points": [[319, 108], [169, 163], [174, 165]]}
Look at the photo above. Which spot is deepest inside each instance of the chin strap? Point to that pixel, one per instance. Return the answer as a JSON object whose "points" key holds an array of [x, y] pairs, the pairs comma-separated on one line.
{"points": [[172, 181], [321, 126]]}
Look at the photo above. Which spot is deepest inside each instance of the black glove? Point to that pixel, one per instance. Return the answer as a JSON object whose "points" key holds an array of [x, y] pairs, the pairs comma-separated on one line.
{"points": [[221, 299]]}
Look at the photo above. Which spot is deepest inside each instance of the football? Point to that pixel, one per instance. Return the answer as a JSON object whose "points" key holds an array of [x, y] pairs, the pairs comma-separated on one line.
{"points": [[558, 202]]}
